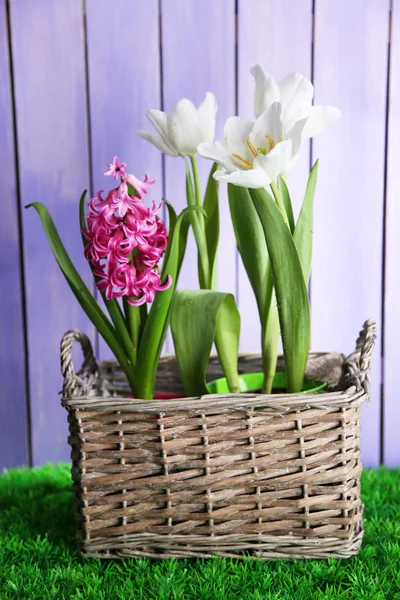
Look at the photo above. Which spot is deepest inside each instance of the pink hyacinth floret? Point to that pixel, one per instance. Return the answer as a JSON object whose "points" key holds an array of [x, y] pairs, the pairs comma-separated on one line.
{"points": [[126, 240]]}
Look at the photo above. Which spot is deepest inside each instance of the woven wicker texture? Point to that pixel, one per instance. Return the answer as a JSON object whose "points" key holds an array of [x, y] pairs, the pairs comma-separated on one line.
{"points": [[273, 476]]}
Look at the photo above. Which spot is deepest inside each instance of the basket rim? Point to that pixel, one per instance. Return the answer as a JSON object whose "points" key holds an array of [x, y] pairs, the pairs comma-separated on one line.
{"points": [[222, 402]]}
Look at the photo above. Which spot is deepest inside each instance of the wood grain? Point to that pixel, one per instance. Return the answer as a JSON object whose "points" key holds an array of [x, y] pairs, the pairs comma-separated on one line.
{"points": [[48, 51], [122, 86], [263, 33], [14, 451], [351, 41], [199, 56], [391, 444]]}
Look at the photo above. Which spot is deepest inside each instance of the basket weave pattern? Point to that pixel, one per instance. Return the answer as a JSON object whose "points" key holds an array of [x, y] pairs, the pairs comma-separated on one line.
{"points": [[274, 476]]}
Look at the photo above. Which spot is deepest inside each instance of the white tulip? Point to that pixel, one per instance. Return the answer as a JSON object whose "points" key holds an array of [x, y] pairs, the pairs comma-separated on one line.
{"points": [[255, 154], [184, 128], [295, 92]]}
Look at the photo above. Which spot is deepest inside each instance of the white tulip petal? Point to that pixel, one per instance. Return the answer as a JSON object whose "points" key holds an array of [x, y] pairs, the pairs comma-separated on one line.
{"points": [[277, 162], [320, 118], [296, 91], [237, 128], [159, 120], [236, 132], [219, 153], [267, 90], [207, 112], [184, 127], [297, 135], [268, 124], [158, 142], [253, 178]]}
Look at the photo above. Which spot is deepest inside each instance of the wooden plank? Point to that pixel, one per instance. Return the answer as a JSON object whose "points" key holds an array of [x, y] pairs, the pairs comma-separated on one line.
{"points": [[122, 86], [199, 56], [391, 444], [48, 51], [350, 73], [263, 34], [14, 451]]}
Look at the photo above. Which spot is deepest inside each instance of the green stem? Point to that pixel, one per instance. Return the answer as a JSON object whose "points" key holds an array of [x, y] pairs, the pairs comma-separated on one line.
{"points": [[120, 324], [199, 231], [277, 195], [269, 345]]}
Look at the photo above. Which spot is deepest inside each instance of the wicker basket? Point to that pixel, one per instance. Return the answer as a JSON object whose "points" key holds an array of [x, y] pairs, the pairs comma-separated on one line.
{"points": [[271, 476]]}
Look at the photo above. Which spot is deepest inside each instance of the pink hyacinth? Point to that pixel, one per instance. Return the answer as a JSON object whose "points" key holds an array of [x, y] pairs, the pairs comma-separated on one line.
{"points": [[126, 240]]}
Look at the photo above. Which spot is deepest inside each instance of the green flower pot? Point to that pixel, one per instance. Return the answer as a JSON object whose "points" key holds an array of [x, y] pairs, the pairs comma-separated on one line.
{"points": [[252, 382]]}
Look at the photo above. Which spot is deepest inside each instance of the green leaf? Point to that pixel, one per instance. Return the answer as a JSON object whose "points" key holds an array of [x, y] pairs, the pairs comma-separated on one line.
{"points": [[251, 243], [197, 223], [79, 289], [195, 317], [82, 218], [270, 331], [157, 320], [211, 207], [287, 202], [290, 288], [304, 227], [171, 225]]}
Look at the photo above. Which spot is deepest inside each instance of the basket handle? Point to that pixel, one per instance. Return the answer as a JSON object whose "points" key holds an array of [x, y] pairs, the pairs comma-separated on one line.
{"points": [[359, 362], [81, 383]]}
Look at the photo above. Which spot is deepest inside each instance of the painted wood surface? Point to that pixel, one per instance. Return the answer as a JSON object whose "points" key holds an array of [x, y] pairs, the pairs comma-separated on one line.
{"points": [[391, 440], [198, 55], [48, 51], [263, 34], [13, 405], [66, 137], [351, 40], [122, 86]]}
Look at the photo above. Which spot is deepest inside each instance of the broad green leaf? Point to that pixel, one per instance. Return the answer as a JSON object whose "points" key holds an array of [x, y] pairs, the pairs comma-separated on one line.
{"points": [[251, 243], [195, 317], [113, 307], [304, 227], [211, 207], [157, 320], [290, 288], [79, 289], [287, 202]]}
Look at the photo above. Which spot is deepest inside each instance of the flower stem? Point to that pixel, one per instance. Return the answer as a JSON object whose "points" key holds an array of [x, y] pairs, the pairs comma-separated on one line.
{"points": [[199, 231], [132, 314], [279, 201]]}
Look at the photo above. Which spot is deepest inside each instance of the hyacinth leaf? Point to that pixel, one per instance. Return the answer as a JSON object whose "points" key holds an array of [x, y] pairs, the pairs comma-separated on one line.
{"points": [[251, 243], [211, 223], [79, 289], [304, 226], [287, 202], [171, 225], [196, 315], [158, 318], [82, 218], [290, 288], [113, 307], [183, 233]]}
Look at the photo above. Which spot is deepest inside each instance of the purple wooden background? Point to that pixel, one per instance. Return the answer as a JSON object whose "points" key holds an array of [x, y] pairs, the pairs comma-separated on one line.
{"points": [[76, 83]]}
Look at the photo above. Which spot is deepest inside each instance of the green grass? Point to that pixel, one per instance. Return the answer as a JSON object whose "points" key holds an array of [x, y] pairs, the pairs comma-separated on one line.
{"points": [[38, 558]]}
